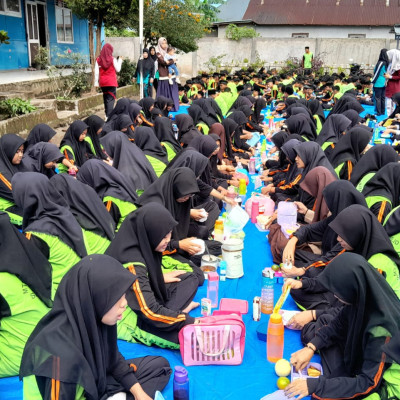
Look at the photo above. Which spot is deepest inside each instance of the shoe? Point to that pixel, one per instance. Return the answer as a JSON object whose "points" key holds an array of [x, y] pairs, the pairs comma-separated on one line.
{"points": [[178, 81], [171, 82]]}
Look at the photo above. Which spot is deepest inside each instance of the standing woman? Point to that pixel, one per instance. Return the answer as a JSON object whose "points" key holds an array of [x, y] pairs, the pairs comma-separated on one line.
{"points": [[11, 152], [73, 352], [379, 82], [153, 56], [106, 69], [393, 76], [146, 68], [164, 88]]}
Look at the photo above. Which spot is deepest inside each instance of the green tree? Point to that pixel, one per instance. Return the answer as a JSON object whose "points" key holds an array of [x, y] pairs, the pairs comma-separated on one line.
{"points": [[209, 8], [179, 21], [4, 39], [99, 13]]}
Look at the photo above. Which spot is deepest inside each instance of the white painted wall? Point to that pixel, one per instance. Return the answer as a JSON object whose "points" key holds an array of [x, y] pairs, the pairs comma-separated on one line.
{"points": [[274, 31]]}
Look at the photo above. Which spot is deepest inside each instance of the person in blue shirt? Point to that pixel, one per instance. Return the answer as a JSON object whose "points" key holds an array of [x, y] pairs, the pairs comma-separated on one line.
{"points": [[379, 82]]}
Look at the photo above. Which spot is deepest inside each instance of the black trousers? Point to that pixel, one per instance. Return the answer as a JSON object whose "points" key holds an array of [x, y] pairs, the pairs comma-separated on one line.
{"points": [[202, 230], [152, 373], [379, 94], [109, 96]]}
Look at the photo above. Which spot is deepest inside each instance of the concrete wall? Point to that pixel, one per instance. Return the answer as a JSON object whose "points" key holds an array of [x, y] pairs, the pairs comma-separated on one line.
{"points": [[342, 32], [335, 52]]}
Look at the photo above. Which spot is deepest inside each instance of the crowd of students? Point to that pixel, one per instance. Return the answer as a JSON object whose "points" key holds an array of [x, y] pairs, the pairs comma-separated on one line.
{"points": [[96, 237]]}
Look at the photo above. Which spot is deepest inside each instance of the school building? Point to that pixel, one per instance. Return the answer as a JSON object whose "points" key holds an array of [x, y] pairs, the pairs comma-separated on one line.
{"points": [[336, 19], [34, 23]]}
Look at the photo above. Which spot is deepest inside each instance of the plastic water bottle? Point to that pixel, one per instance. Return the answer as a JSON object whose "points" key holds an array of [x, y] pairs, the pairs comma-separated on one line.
{"points": [[239, 166], [242, 187], [275, 338], [222, 270], [219, 230], [252, 165], [255, 211], [212, 288], [267, 291], [181, 384], [263, 146], [375, 136]]}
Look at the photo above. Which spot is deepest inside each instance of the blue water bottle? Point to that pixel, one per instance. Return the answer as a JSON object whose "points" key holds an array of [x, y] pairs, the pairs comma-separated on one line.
{"points": [[181, 384]]}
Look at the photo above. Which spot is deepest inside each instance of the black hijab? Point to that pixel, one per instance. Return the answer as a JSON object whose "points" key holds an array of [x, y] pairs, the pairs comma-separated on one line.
{"points": [[72, 335], [214, 105], [199, 115], [240, 118], [372, 303], [106, 181], [37, 156], [278, 139], [313, 156], [94, 123], [129, 159], [153, 56], [338, 195], [165, 133], [396, 100], [22, 258], [241, 101], [339, 107], [359, 227], [392, 224], [146, 63], [230, 127], [353, 116], [192, 159], [373, 160], [85, 205], [315, 108], [137, 239], [9, 144], [147, 141], [333, 129], [46, 211], [40, 133], [259, 105], [350, 146], [124, 121], [289, 150], [161, 103], [122, 107], [205, 145], [302, 125], [146, 104], [187, 130], [386, 183], [208, 110], [71, 138], [172, 185], [134, 111]]}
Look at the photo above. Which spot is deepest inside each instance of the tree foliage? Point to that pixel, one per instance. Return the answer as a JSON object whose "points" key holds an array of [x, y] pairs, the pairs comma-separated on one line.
{"points": [[236, 33], [4, 39], [179, 21]]}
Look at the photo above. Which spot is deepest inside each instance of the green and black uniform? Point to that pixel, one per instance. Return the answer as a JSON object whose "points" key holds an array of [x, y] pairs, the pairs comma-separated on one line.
{"points": [[25, 294], [166, 136]]}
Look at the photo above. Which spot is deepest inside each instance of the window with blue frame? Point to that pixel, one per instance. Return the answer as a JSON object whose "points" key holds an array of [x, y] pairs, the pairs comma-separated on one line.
{"points": [[11, 8], [64, 25]]}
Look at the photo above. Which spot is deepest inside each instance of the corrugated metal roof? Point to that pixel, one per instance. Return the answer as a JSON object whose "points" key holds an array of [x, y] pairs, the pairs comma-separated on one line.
{"points": [[324, 12], [232, 10]]}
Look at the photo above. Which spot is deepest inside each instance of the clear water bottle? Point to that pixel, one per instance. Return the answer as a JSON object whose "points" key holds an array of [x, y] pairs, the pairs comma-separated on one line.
{"points": [[267, 291], [212, 288], [181, 384]]}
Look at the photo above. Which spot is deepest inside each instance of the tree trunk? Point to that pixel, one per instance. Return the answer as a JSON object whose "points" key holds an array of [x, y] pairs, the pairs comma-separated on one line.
{"points": [[91, 51]]}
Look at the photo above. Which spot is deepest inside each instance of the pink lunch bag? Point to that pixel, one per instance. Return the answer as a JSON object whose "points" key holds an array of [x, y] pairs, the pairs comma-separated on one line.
{"points": [[217, 340]]}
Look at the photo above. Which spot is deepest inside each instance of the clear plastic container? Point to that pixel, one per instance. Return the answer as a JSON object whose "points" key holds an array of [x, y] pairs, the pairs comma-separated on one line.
{"points": [[267, 291], [219, 230], [275, 338], [212, 288]]}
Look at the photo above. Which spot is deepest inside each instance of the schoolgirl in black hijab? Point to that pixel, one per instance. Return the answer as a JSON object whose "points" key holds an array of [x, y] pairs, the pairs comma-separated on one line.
{"points": [[161, 103], [349, 150], [147, 105], [316, 109], [302, 125], [239, 145], [186, 129], [161, 307], [74, 139], [229, 126], [165, 133], [353, 116], [372, 161], [199, 115], [40, 133], [76, 343], [147, 141], [41, 157], [129, 159], [95, 126], [351, 343]]}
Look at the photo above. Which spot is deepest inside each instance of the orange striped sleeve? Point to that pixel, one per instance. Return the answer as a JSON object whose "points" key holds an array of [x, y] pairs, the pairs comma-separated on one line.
{"points": [[319, 264], [349, 169], [381, 211], [108, 205], [5, 181], [291, 184]]}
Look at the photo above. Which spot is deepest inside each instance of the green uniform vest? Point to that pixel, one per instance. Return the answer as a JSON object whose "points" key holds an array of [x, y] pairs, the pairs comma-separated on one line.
{"points": [[62, 258], [193, 91], [61, 167], [211, 84], [384, 263], [128, 330], [338, 169], [233, 88], [338, 95], [395, 239], [363, 181], [124, 207], [89, 141], [326, 145], [371, 200], [14, 218], [319, 123], [157, 165], [171, 153], [308, 60], [26, 311], [204, 128], [94, 243]]}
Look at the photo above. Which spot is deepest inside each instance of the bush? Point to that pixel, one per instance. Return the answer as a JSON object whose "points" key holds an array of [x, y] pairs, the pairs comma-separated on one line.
{"points": [[233, 32], [214, 63], [4, 38], [41, 60], [115, 32], [13, 107], [125, 76]]}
